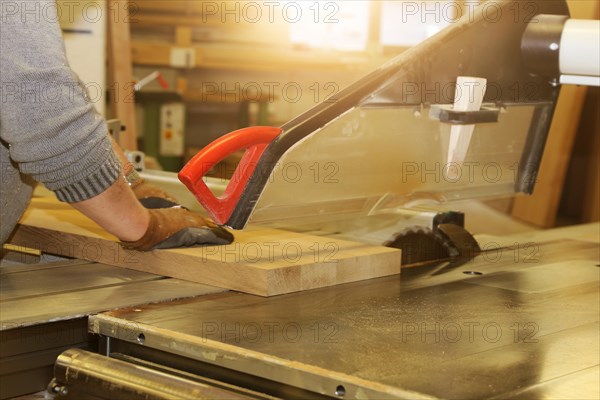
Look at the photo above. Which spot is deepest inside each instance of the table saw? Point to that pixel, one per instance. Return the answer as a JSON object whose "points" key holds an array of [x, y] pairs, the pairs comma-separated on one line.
{"points": [[520, 320], [468, 316]]}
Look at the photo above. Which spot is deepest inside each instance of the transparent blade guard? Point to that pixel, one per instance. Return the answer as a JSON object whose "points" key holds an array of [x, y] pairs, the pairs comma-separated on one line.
{"points": [[380, 159], [404, 136]]}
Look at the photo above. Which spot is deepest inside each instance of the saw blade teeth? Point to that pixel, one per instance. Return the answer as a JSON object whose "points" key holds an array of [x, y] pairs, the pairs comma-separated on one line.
{"points": [[420, 244]]}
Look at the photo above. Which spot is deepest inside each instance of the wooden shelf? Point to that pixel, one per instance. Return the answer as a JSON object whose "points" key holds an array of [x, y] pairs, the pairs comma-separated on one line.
{"points": [[170, 6], [146, 20], [242, 57]]}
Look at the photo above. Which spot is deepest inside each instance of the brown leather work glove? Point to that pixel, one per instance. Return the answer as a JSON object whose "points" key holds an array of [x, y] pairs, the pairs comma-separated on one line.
{"points": [[149, 195], [178, 227], [153, 197]]}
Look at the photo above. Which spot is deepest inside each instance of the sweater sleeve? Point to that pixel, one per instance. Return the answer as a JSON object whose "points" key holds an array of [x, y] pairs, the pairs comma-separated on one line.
{"points": [[52, 129]]}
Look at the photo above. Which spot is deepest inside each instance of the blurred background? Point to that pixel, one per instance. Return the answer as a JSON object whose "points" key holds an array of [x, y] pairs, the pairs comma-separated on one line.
{"points": [[206, 68]]}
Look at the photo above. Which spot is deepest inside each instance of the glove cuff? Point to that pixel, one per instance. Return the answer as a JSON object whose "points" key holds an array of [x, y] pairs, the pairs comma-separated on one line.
{"points": [[133, 179]]}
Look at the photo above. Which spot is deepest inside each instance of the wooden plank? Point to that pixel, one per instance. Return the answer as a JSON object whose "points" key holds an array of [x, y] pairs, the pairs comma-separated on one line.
{"points": [[120, 74], [261, 261]]}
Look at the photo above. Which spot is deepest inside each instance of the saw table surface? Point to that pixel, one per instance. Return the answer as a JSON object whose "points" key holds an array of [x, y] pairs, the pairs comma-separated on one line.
{"points": [[519, 322], [44, 307]]}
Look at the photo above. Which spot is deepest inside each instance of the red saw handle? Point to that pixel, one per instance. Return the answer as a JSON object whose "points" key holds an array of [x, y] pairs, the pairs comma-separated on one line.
{"points": [[255, 140]]}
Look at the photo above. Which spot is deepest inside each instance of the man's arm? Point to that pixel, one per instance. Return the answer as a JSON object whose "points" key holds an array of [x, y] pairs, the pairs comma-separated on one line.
{"points": [[117, 211], [56, 136]]}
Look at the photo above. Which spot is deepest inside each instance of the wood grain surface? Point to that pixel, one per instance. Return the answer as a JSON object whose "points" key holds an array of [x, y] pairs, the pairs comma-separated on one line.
{"points": [[261, 261]]}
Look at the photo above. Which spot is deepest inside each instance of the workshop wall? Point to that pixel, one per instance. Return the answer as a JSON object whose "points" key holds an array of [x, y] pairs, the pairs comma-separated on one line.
{"points": [[81, 34], [236, 64], [230, 64]]}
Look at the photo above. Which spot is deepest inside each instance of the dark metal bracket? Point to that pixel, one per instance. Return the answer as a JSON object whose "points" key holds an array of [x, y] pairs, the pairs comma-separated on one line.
{"points": [[445, 113]]}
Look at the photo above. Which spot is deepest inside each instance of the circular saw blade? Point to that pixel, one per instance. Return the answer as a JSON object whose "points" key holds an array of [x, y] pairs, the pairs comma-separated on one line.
{"points": [[421, 244]]}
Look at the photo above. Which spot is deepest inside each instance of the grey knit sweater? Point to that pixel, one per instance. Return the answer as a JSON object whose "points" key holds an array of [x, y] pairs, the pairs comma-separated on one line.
{"points": [[48, 129]]}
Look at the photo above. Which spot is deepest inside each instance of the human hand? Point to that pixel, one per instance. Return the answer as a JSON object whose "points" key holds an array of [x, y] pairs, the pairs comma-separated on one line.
{"points": [[179, 227]]}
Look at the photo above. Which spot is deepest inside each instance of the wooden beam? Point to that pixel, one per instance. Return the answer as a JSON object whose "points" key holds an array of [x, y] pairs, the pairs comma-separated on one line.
{"points": [[261, 261], [120, 75]]}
